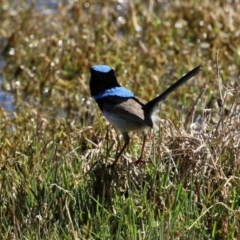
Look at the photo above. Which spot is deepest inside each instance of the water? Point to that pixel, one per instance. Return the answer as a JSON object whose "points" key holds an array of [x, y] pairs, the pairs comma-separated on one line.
{"points": [[7, 98]]}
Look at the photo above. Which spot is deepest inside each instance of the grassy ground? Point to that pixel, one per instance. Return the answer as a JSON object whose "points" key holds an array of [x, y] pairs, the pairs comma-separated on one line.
{"points": [[54, 149]]}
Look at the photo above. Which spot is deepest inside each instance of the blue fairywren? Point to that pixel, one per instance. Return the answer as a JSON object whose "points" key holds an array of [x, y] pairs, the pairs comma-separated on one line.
{"points": [[122, 108]]}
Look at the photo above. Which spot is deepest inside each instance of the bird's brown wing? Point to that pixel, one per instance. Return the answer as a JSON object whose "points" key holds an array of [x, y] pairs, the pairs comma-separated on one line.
{"points": [[132, 109]]}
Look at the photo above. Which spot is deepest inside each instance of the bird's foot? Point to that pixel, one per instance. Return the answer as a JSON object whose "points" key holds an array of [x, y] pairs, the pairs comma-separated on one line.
{"points": [[140, 161]]}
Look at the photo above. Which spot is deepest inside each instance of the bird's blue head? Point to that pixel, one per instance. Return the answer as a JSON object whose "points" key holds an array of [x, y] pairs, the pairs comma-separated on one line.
{"points": [[103, 83], [102, 78]]}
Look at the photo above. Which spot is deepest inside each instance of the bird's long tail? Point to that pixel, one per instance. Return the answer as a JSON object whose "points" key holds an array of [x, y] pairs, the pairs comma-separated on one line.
{"points": [[153, 103]]}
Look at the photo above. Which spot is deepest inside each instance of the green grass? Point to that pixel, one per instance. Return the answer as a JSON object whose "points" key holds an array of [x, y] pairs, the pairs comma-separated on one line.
{"points": [[55, 181]]}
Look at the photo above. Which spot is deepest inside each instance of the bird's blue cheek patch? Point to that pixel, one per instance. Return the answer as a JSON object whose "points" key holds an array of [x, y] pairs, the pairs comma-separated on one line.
{"points": [[117, 91]]}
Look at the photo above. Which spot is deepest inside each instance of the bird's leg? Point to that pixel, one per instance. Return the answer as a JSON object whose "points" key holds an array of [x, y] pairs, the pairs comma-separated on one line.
{"points": [[126, 140], [143, 146], [140, 159]]}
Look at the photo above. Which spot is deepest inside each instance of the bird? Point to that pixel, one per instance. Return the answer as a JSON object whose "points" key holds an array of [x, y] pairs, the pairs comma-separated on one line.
{"points": [[125, 111]]}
